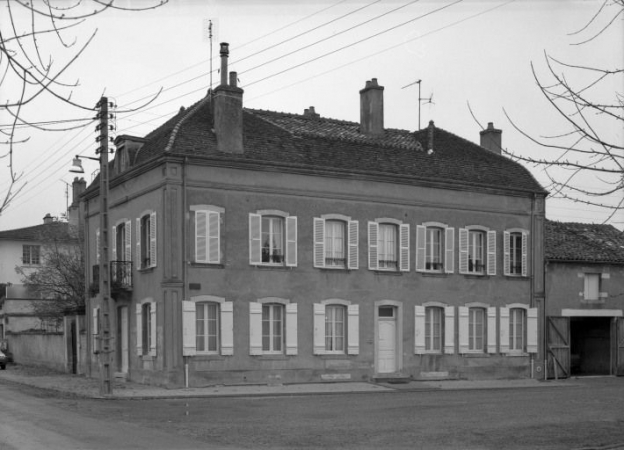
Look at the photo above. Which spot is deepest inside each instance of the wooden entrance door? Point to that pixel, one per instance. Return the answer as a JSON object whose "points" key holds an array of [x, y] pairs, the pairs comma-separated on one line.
{"points": [[558, 347], [122, 339], [387, 340]]}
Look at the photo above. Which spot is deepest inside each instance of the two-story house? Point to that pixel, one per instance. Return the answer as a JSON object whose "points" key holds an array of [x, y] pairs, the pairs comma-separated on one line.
{"points": [[584, 299], [250, 246]]}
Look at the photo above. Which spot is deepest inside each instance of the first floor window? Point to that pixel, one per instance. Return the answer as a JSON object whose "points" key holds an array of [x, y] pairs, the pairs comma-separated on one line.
{"points": [[476, 256], [207, 327], [592, 286], [476, 329], [146, 327], [272, 328], [335, 243], [515, 253], [517, 329], [146, 240], [433, 329], [273, 240], [335, 328], [31, 255], [433, 249], [387, 246]]}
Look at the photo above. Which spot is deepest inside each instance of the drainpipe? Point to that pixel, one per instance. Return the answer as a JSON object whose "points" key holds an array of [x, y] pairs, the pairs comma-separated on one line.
{"points": [[184, 259], [532, 304]]}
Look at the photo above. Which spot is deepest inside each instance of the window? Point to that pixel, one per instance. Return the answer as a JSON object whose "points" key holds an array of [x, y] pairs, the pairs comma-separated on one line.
{"points": [[435, 250], [207, 327], [272, 239], [31, 255], [517, 329], [335, 242], [477, 251], [388, 243], [121, 253], [146, 328], [96, 329], [335, 251], [146, 240], [476, 329], [515, 252], [592, 286], [476, 257], [208, 234], [336, 327], [272, 327], [433, 329], [335, 318]]}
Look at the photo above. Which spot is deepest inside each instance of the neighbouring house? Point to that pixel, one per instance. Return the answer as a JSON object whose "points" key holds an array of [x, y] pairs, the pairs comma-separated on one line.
{"points": [[250, 246], [33, 338], [584, 299]]}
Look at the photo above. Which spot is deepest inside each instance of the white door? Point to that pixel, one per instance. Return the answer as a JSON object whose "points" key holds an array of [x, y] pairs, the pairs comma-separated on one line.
{"points": [[387, 343], [124, 339]]}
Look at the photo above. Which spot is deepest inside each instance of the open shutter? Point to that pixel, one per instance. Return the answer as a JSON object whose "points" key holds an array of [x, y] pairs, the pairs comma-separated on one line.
{"points": [[139, 329], [373, 232], [255, 244], [189, 332], [113, 244], [404, 253], [449, 329], [506, 253], [214, 234], [139, 235], [96, 329], [354, 239], [319, 242], [128, 243], [419, 330], [227, 328], [152, 243], [97, 245], [532, 330], [491, 252], [291, 329], [421, 241], [291, 241], [353, 322], [449, 254], [491, 330], [464, 318], [319, 329], [201, 236], [504, 330], [255, 328], [153, 329], [463, 250], [525, 259]]}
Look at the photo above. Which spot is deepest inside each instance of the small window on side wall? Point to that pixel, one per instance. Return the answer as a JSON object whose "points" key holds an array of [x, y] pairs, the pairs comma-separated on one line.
{"points": [[146, 241]]}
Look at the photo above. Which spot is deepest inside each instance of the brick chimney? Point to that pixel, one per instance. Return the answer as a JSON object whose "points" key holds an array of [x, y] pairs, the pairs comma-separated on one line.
{"points": [[371, 109], [491, 139], [228, 109], [79, 185], [48, 219]]}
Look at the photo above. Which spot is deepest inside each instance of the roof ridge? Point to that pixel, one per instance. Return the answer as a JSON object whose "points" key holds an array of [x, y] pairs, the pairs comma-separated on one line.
{"points": [[174, 133]]}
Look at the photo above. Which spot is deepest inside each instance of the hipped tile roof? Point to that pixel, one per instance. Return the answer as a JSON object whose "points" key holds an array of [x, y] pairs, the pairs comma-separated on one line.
{"points": [[582, 242]]}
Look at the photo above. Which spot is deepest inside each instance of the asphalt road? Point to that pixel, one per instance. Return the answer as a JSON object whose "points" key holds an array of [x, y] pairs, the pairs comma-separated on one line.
{"points": [[584, 415]]}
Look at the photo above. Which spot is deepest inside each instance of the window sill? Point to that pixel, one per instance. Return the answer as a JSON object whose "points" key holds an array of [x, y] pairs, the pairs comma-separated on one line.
{"points": [[511, 276], [146, 269], [476, 354], [269, 357], [334, 356], [477, 276], [208, 265], [272, 267], [516, 354], [387, 272], [208, 357], [434, 274]]}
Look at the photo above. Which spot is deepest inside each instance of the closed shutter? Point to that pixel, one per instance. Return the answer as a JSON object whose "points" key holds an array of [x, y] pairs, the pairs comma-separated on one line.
{"points": [[201, 236], [114, 244], [353, 323], [128, 243], [255, 244], [214, 234], [404, 253], [464, 326], [421, 241], [373, 231], [291, 329], [96, 329], [463, 250], [139, 329], [291, 241], [152, 243], [532, 330], [525, 259], [227, 328], [449, 255], [153, 333], [449, 329], [189, 333], [491, 330], [319, 329], [319, 242], [419, 330], [139, 236], [507, 253], [491, 252], [255, 328], [354, 240], [504, 330]]}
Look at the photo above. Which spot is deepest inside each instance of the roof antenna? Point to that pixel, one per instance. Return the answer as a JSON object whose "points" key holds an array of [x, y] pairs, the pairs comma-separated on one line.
{"points": [[420, 99], [210, 38]]}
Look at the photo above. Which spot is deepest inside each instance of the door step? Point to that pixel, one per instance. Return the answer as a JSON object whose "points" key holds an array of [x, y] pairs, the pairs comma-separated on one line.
{"points": [[393, 379]]}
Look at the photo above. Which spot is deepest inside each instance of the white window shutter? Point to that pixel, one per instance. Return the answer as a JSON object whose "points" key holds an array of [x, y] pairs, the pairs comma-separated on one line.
{"points": [[227, 328], [373, 232], [464, 318], [255, 328], [463, 250], [128, 243], [319, 329], [114, 244], [506, 253], [319, 242], [291, 329], [525, 259], [419, 330], [96, 329], [213, 236], [449, 255], [137, 230], [139, 329], [532, 330], [97, 245], [153, 237], [504, 330], [255, 236], [201, 236], [189, 331], [449, 329], [353, 333], [404, 247], [421, 242], [491, 252], [153, 333], [491, 330], [354, 240], [291, 241]]}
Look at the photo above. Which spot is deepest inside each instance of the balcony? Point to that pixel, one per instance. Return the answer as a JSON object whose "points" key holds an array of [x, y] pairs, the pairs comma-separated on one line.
{"points": [[120, 277]]}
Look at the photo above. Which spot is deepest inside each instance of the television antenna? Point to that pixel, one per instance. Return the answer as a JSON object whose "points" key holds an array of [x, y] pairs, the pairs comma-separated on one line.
{"points": [[428, 100]]}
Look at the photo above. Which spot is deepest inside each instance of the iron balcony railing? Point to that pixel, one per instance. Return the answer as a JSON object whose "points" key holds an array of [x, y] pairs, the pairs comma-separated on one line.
{"points": [[120, 276]]}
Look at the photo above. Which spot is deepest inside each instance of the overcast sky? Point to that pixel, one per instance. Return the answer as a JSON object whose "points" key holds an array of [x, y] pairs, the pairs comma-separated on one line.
{"points": [[290, 55]]}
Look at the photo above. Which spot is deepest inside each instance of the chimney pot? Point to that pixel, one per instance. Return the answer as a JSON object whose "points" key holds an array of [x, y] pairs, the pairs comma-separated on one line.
{"points": [[224, 62], [311, 113], [371, 109], [48, 219], [233, 81], [491, 139]]}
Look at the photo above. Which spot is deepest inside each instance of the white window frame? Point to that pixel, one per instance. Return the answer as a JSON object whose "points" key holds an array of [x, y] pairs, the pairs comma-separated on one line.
{"points": [[32, 261], [591, 286], [350, 245], [447, 332], [146, 242], [150, 348], [351, 327], [225, 326], [489, 250], [290, 326], [507, 334], [507, 252], [446, 247], [207, 233], [401, 247], [289, 238]]}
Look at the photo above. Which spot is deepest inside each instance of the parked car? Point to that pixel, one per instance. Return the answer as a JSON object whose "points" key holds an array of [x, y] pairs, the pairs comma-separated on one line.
{"points": [[3, 361]]}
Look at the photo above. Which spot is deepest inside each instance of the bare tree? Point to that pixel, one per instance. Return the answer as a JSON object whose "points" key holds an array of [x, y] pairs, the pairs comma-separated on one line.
{"points": [[591, 146], [38, 45]]}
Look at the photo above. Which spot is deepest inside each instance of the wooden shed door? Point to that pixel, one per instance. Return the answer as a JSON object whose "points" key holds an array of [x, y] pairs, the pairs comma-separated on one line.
{"points": [[619, 369], [558, 347]]}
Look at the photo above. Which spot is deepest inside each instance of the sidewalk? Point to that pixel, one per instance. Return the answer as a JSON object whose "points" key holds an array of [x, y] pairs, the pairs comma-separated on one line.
{"points": [[81, 386]]}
